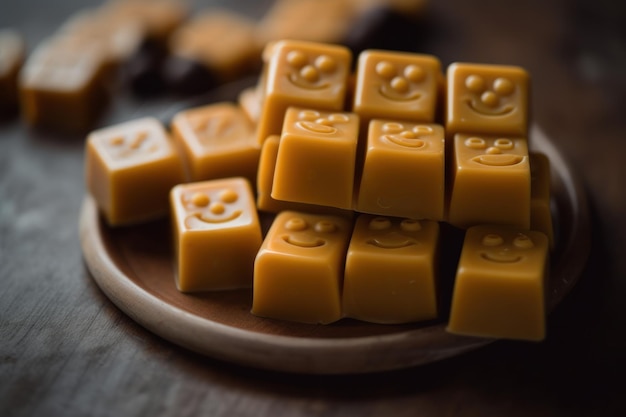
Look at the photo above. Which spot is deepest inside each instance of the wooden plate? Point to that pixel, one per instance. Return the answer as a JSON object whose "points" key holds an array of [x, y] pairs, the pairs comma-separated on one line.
{"points": [[133, 267]]}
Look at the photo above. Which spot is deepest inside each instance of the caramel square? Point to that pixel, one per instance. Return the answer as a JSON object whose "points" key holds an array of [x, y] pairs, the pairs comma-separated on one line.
{"points": [[119, 38], [487, 99], [501, 284], [325, 21], [316, 158], [397, 86], [490, 181], [130, 169], [216, 233], [298, 271], [221, 40], [304, 74], [217, 141], [61, 84], [403, 172], [391, 270], [265, 177]]}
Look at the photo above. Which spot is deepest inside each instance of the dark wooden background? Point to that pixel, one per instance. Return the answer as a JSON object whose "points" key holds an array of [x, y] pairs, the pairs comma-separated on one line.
{"points": [[66, 350]]}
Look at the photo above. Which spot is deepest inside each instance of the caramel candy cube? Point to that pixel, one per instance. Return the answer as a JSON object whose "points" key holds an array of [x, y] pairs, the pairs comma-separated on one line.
{"points": [[304, 74], [316, 158], [403, 172], [391, 270], [298, 271], [130, 169], [216, 234], [500, 284], [119, 38], [397, 86], [11, 59], [217, 141], [288, 19], [491, 181], [487, 99], [540, 212], [220, 40], [265, 177], [61, 84]]}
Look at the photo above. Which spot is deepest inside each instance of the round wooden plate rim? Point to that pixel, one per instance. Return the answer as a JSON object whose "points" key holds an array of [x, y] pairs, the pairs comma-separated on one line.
{"points": [[312, 355]]}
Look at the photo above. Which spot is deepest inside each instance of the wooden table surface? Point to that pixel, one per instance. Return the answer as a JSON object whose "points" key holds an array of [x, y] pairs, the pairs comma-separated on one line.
{"points": [[66, 350]]}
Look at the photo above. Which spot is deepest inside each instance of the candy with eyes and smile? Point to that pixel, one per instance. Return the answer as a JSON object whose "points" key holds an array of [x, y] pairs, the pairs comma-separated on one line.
{"points": [[305, 74], [214, 47], [265, 177], [316, 158], [216, 234], [298, 271], [217, 141], [391, 271], [490, 181], [397, 85], [130, 169], [403, 170], [500, 284], [487, 99]]}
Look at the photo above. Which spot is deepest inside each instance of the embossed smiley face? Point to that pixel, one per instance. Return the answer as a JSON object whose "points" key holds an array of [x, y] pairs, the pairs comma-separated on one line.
{"points": [[134, 144], [489, 99], [415, 137], [218, 124], [490, 96], [397, 85], [65, 63], [304, 234], [506, 249], [310, 71], [211, 207], [400, 83], [493, 152], [494, 248], [314, 122], [384, 234]]}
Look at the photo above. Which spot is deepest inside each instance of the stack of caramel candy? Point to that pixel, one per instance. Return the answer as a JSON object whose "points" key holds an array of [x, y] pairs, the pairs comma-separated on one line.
{"points": [[357, 170]]}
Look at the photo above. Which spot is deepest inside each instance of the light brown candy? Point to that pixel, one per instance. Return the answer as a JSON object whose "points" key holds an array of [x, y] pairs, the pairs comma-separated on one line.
{"points": [[391, 270], [130, 169], [62, 84], [490, 181], [324, 21], [500, 286], [487, 99], [216, 234], [298, 271], [404, 170], [304, 74], [217, 141], [221, 40], [316, 158]]}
